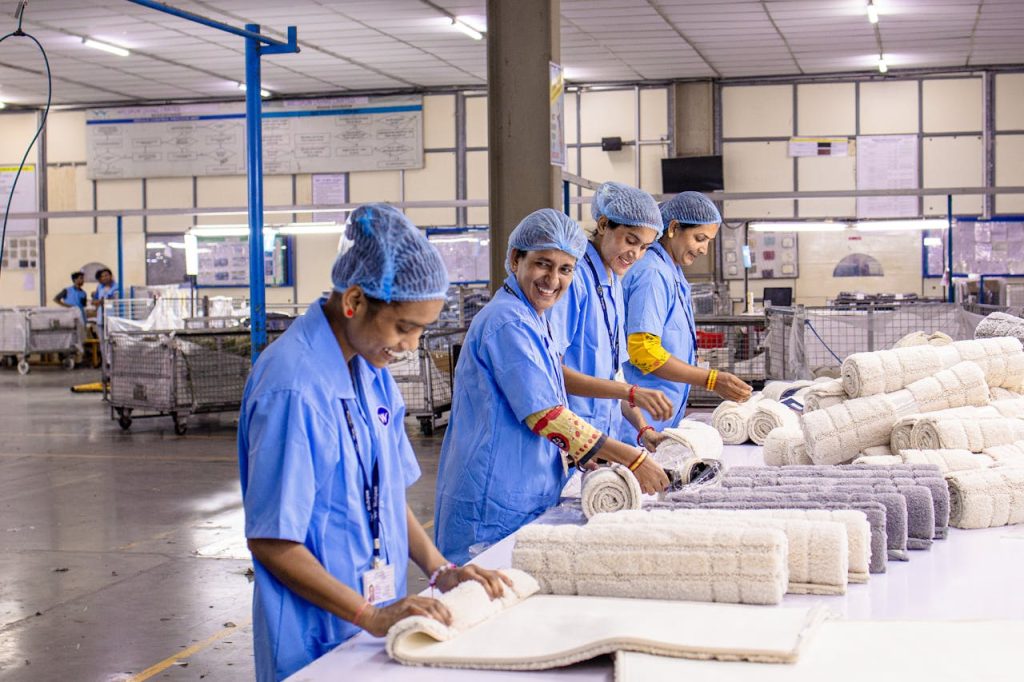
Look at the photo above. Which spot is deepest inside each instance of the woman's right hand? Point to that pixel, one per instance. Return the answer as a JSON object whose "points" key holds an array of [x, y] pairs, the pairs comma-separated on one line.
{"points": [[654, 402], [379, 621], [731, 387], [651, 477]]}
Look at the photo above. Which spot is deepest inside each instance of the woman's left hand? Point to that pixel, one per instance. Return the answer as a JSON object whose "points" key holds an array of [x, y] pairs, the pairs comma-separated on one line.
{"points": [[652, 439], [493, 581]]}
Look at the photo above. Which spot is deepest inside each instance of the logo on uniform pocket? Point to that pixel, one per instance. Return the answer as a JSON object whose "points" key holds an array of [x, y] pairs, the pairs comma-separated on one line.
{"points": [[383, 415]]}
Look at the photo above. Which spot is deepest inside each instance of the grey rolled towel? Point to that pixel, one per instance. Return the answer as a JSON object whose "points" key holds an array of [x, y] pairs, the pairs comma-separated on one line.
{"points": [[763, 499], [1000, 324], [897, 513], [926, 475]]}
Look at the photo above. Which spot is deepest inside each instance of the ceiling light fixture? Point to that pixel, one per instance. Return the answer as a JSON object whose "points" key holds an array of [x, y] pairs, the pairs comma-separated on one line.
{"points": [[901, 225], [808, 226], [106, 47], [872, 12], [467, 29], [263, 93], [882, 66]]}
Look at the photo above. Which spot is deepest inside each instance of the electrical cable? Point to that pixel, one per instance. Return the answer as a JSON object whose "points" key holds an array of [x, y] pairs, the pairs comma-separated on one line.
{"points": [[42, 122]]}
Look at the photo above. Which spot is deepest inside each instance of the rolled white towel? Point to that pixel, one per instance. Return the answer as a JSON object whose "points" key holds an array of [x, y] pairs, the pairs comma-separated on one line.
{"points": [[878, 451], [784, 446], [773, 390], [899, 439], [986, 498], [1000, 324], [610, 489], [961, 385], [705, 441], [732, 420], [768, 416], [1008, 407], [840, 433], [948, 460], [1010, 455], [822, 394], [973, 434], [1000, 393]]}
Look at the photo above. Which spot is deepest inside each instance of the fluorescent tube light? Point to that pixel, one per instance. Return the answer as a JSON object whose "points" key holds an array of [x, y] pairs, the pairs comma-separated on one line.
{"points": [[263, 93], [872, 12], [228, 231], [156, 245], [3, 105], [472, 22], [807, 226], [312, 228], [932, 241], [467, 29], [106, 47], [900, 225], [882, 66], [191, 255]]}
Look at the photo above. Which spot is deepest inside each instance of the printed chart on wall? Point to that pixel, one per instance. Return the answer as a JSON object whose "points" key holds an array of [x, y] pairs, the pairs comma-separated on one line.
{"points": [[887, 162], [299, 136], [224, 261], [772, 255], [980, 247], [21, 248]]}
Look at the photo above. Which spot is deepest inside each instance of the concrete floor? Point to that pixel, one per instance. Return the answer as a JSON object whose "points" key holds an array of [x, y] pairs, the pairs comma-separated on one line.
{"points": [[121, 553]]}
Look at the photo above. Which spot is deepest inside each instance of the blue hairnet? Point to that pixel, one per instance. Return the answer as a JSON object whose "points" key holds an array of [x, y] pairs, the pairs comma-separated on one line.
{"points": [[546, 229], [690, 208], [390, 259], [626, 205]]}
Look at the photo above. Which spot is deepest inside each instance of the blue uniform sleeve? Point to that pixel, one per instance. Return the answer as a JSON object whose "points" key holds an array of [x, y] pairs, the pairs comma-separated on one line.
{"points": [[566, 315], [518, 361], [648, 297], [289, 453]]}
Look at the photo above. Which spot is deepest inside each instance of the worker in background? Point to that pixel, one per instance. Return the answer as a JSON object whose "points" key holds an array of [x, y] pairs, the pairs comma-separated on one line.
{"points": [[106, 290], [73, 296], [501, 464], [661, 334], [589, 320], [325, 460]]}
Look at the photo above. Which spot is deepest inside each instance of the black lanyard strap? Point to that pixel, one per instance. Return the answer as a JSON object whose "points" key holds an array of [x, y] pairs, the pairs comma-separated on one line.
{"points": [[371, 487], [613, 331]]}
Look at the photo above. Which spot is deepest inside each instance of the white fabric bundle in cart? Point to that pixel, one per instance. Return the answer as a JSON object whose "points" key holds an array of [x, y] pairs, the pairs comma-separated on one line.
{"points": [[770, 415], [1000, 324], [732, 420], [865, 374]]}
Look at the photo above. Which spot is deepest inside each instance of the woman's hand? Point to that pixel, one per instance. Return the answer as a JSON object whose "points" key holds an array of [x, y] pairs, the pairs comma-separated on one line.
{"points": [[731, 387], [493, 581], [653, 402], [378, 621], [651, 476], [652, 439]]}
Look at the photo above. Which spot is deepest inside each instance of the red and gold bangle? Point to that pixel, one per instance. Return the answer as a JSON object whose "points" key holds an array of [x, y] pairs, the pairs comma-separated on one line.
{"points": [[638, 461], [359, 614], [640, 436], [712, 379], [632, 395]]}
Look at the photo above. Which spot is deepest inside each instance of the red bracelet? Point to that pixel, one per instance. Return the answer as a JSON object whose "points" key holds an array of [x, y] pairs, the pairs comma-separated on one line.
{"points": [[632, 395], [359, 613], [640, 436]]}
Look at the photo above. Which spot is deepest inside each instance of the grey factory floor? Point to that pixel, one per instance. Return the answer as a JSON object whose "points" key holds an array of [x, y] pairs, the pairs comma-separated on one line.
{"points": [[121, 553]]}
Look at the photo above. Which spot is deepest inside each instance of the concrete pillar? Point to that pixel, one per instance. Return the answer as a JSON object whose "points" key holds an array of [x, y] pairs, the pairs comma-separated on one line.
{"points": [[522, 38], [694, 122]]}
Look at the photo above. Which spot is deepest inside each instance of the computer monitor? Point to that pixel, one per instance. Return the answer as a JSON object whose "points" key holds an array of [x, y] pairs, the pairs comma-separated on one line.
{"points": [[778, 297], [697, 173]]}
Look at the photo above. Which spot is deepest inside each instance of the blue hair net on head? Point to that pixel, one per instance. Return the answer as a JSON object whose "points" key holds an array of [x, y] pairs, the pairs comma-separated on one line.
{"points": [[690, 208], [626, 205], [546, 229], [389, 258]]}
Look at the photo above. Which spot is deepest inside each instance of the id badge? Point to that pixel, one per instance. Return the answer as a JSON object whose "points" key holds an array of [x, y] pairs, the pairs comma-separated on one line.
{"points": [[379, 584]]}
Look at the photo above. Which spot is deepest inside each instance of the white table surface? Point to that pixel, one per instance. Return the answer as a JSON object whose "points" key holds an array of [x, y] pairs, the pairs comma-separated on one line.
{"points": [[975, 574]]}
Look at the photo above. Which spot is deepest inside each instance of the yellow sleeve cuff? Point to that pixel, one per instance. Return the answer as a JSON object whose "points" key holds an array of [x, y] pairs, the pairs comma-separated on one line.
{"points": [[646, 352], [560, 425]]}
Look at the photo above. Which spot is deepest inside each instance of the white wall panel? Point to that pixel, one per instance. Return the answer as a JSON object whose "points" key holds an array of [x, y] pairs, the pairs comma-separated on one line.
{"points": [[952, 105], [757, 111], [889, 107], [953, 162]]}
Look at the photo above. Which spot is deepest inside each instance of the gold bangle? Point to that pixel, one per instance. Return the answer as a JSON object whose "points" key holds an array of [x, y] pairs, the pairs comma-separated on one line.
{"points": [[638, 461], [712, 379]]}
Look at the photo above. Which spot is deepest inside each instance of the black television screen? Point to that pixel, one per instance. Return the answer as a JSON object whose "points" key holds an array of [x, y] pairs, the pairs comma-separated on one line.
{"points": [[698, 173]]}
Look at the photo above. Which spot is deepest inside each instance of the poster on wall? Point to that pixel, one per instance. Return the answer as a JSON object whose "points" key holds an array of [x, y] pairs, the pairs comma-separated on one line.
{"points": [[224, 261], [820, 146], [21, 247], [557, 91], [333, 135], [980, 247], [887, 162], [329, 189], [771, 255]]}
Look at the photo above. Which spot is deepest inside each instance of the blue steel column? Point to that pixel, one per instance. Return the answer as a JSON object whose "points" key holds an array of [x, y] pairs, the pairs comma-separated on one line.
{"points": [[120, 257], [254, 155], [950, 294]]}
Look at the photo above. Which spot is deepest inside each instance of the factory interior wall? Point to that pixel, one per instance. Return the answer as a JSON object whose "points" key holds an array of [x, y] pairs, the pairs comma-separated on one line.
{"points": [[757, 120]]}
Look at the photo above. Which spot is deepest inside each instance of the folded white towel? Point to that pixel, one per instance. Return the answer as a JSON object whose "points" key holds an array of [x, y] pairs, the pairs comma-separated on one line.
{"points": [[1000, 393], [986, 498], [773, 390], [924, 339], [703, 440], [1000, 324], [973, 434], [948, 460], [1001, 361], [768, 416], [1008, 407], [822, 394], [1009, 455], [878, 460], [732, 420], [785, 446], [609, 489]]}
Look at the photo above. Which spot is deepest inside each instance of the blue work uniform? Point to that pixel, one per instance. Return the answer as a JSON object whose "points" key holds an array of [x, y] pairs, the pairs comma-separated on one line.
{"points": [[103, 293], [658, 302], [304, 479], [588, 327], [76, 297], [495, 475]]}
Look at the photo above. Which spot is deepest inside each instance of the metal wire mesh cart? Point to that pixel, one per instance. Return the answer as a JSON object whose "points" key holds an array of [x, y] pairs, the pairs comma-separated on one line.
{"points": [[425, 379], [24, 331], [731, 343]]}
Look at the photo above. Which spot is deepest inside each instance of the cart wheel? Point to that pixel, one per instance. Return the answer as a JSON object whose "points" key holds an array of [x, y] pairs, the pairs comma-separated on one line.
{"points": [[23, 367], [180, 425], [124, 419], [426, 426], [68, 363]]}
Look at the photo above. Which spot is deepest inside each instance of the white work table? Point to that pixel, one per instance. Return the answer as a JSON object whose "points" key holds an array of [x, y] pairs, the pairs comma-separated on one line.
{"points": [[971, 575]]}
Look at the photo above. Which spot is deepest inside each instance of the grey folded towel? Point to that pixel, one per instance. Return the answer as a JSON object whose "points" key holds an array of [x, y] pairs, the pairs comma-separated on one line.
{"points": [[720, 498], [1000, 324]]}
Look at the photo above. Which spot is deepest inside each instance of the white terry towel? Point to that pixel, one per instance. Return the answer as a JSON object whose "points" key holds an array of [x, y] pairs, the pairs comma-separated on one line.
{"points": [[899, 439], [773, 390], [864, 374], [822, 394], [785, 446], [1008, 407], [1009, 455], [924, 339], [703, 440], [986, 498], [878, 460], [964, 433], [1000, 324], [732, 420], [948, 460], [721, 563], [609, 489], [1000, 393], [768, 416], [818, 556]]}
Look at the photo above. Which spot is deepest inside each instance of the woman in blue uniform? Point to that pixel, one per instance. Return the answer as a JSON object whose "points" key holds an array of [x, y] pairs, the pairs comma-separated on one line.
{"points": [[661, 336], [325, 461], [500, 462], [589, 319]]}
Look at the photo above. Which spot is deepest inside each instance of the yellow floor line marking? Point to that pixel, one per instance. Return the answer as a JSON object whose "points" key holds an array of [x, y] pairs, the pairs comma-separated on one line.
{"points": [[185, 653]]}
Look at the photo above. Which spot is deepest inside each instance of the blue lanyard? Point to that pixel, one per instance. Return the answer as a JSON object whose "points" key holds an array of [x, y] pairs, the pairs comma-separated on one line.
{"points": [[371, 488], [512, 291], [687, 310], [613, 332]]}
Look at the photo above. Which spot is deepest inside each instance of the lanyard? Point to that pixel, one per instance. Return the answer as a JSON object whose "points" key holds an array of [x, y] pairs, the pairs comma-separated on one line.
{"points": [[613, 332], [371, 488], [512, 291], [550, 339]]}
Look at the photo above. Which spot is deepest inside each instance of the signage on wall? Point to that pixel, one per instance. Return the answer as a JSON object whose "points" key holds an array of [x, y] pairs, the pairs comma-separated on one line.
{"points": [[820, 146], [557, 92]]}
